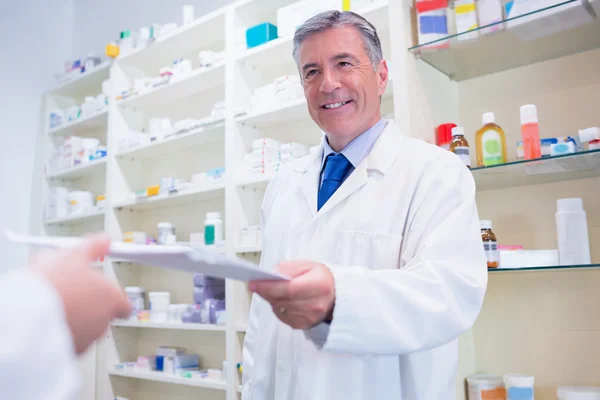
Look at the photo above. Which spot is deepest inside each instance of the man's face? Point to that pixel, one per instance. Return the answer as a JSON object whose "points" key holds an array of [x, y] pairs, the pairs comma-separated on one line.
{"points": [[340, 84]]}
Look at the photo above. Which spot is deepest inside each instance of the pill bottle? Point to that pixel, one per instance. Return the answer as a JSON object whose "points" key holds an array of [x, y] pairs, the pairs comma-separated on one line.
{"points": [[165, 229], [135, 295], [519, 387], [490, 245], [486, 387], [460, 146], [213, 229], [159, 306]]}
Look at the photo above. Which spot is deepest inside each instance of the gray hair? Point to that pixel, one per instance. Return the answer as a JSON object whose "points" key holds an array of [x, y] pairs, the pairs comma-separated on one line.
{"points": [[334, 19]]}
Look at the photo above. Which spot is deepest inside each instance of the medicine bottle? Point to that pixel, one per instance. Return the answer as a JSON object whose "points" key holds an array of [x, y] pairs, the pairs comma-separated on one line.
{"points": [[460, 146], [213, 229], [490, 142], [490, 245]]}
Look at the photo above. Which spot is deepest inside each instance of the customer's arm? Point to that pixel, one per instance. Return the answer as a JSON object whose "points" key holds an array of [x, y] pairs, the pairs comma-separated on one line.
{"points": [[51, 312]]}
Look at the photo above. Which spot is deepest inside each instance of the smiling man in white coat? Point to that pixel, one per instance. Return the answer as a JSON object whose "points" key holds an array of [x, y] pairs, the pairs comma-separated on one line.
{"points": [[380, 234]]}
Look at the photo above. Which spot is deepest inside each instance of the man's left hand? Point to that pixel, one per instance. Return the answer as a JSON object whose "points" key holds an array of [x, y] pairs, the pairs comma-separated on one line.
{"points": [[304, 301]]}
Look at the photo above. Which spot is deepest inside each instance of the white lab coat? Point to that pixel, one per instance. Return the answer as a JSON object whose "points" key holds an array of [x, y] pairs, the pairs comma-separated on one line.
{"points": [[402, 239], [37, 356]]}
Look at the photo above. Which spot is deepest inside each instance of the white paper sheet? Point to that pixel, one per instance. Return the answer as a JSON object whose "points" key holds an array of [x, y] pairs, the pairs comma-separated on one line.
{"points": [[180, 258]]}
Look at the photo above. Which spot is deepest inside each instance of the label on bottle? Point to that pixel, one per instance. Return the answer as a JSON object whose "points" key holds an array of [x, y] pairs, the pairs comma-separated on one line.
{"points": [[464, 154], [491, 147], [491, 251]]}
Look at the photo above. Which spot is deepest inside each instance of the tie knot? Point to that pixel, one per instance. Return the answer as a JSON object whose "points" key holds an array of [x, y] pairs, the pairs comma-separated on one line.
{"points": [[336, 167]]}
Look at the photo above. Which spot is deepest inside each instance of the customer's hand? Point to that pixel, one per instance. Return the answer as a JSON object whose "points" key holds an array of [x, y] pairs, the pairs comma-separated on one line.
{"points": [[306, 300], [90, 301]]}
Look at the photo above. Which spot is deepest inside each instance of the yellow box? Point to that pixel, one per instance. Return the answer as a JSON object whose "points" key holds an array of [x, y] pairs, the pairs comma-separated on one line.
{"points": [[153, 190]]}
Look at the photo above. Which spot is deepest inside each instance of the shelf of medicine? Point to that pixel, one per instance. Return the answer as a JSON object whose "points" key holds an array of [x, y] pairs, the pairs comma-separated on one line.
{"points": [[97, 121], [75, 219], [182, 198], [185, 141], [185, 41], [546, 268], [88, 169], [292, 111], [167, 378], [279, 51], [169, 325], [498, 51], [585, 164], [86, 84], [195, 82]]}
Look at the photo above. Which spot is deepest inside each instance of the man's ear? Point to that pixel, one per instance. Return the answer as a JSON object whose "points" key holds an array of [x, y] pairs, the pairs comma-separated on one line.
{"points": [[382, 75]]}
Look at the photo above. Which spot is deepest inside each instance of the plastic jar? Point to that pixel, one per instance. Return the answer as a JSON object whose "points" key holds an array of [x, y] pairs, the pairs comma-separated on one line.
{"points": [[486, 387], [159, 306], [135, 295], [213, 229], [166, 231], [518, 387], [578, 393]]}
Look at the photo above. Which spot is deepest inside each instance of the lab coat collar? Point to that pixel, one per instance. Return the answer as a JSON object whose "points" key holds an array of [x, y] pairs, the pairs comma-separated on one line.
{"points": [[380, 160]]}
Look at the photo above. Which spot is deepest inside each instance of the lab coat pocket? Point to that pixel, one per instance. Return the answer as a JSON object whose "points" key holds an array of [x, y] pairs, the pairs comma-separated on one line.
{"points": [[368, 249]]}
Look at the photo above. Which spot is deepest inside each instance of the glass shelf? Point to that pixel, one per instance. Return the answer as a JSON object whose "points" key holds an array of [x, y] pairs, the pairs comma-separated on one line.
{"points": [[490, 52], [585, 164], [549, 268]]}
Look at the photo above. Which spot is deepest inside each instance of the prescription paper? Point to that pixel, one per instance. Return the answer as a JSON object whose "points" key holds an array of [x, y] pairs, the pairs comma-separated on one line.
{"points": [[176, 257]]}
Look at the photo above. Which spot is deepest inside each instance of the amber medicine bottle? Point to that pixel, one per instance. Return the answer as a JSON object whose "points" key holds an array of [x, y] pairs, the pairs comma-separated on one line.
{"points": [[490, 245], [460, 146]]}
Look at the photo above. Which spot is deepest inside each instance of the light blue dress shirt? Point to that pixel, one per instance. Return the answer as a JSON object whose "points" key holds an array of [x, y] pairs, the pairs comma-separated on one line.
{"points": [[357, 150]]}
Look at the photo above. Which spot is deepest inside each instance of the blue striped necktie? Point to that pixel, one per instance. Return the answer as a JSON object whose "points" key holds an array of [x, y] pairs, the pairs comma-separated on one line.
{"points": [[336, 168]]}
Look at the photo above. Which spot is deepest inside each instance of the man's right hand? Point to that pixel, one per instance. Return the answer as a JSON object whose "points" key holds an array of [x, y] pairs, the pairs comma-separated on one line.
{"points": [[90, 301]]}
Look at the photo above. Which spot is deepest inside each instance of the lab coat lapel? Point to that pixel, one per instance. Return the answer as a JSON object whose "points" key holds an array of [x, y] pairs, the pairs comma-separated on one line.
{"points": [[380, 159], [309, 180]]}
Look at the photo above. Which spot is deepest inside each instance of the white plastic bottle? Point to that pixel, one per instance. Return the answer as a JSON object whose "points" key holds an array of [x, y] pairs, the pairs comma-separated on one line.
{"points": [[572, 232], [213, 229]]}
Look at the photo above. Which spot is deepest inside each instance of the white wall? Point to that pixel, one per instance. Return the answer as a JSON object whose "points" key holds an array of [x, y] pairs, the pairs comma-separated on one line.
{"points": [[98, 22], [35, 38]]}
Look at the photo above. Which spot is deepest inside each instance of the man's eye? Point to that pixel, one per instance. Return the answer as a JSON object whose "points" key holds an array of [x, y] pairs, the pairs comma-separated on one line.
{"points": [[344, 64], [310, 73]]}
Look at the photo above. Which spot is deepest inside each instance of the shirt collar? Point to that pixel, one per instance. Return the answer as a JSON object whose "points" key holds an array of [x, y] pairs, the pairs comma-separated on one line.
{"points": [[359, 148]]}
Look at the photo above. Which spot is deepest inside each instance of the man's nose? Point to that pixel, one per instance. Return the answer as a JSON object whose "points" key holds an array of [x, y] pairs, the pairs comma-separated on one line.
{"points": [[331, 81]]}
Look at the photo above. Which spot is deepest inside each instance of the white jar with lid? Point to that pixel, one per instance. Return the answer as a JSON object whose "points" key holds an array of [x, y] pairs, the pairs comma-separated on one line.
{"points": [[213, 229], [519, 387], [159, 306], [166, 233], [572, 232], [487, 387], [578, 393]]}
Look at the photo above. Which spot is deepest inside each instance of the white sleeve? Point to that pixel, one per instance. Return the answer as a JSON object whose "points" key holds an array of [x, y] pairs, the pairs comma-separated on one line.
{"points": [[37, 356], [433, 298]]}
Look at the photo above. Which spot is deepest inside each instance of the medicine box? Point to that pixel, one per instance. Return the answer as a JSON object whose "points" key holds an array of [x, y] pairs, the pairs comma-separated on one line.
{"points": [[432, 23], [260, 34]]}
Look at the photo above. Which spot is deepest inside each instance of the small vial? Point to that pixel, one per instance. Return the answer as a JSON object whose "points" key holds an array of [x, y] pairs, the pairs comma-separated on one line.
{"points": [[490, 245], [460, 146]]}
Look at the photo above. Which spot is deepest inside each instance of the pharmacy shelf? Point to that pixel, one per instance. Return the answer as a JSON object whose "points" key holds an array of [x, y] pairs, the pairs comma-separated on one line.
{"points": [[182, 198], [97, 121], [195, 82], [580, 165], [259, 182], [167, 378], [76, 219], [296, 110], [490, 53], [243, 250], [92, 168], [174, 144], [547, 268], [86, 84], [169, 325], [185, 41], [279, 51]]}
